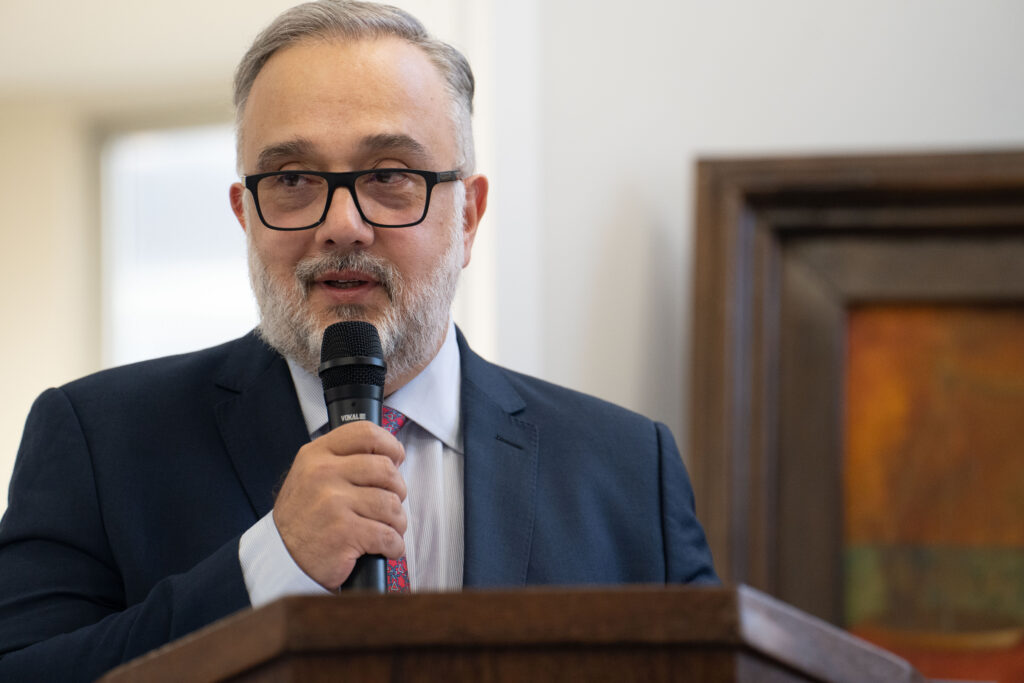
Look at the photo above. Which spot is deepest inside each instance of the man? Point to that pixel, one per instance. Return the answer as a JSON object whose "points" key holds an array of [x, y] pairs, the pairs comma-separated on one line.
{"points": [[150, 500]]}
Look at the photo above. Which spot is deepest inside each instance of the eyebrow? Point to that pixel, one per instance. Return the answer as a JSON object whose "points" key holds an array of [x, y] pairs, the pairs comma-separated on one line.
{"points": [[393, 142], [371, 144], [299, 147]]}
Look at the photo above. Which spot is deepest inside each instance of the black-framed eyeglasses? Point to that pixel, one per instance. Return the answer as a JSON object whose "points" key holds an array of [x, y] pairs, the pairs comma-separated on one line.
{"points": [[385, 197]]}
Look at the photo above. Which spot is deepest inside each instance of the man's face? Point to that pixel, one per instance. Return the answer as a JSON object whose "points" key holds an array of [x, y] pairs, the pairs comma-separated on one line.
{"points": [[324, 106]]}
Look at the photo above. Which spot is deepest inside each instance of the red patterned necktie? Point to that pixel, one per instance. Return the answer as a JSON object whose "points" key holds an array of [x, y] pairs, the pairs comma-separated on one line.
{"points": [[398, 570]]}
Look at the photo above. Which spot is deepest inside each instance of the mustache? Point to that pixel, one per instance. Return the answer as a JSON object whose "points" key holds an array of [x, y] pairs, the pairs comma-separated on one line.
{"points": [[383, 271]]}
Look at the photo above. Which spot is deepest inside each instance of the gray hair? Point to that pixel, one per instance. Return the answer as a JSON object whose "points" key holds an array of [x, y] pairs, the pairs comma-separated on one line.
{"points": [[349, 20]]}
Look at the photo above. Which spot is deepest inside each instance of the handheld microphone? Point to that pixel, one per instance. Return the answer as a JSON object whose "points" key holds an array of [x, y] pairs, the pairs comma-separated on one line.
{"points": [[352, 371]]}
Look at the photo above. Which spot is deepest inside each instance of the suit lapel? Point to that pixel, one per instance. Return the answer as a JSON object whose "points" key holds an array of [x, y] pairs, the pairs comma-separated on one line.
{"points": [[501, 452], [261, 423]]}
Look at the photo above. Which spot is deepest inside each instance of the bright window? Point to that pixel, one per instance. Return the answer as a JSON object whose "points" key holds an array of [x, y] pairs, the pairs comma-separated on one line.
{"points": [[174, 269]]}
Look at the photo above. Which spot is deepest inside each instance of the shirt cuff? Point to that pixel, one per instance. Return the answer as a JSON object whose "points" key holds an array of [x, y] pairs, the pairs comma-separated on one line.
{"points": [[268, 568]]}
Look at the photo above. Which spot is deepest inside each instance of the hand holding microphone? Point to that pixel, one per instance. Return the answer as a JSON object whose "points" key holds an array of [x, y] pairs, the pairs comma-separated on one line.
{"points": [[342, 498]]}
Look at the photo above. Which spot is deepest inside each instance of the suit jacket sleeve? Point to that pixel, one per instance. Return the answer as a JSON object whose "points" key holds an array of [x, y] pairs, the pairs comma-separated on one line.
{"points": [[64, 610], [687, 556]]}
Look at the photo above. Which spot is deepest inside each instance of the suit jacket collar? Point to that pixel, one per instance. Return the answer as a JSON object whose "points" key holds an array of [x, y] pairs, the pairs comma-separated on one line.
{"points": [[259, 419], [501, 456]]}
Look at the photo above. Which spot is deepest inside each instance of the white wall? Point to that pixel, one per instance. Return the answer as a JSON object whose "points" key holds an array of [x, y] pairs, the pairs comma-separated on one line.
{"points": [[632, 97], [47, 254], [591, 116]]}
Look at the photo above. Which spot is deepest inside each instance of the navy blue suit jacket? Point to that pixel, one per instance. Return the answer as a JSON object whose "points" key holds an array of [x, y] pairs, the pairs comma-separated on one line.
{"points": [[133, 486]]}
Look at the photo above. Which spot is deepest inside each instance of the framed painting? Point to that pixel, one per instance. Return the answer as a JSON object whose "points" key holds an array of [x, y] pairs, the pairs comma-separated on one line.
{"points": [[857, 422]]}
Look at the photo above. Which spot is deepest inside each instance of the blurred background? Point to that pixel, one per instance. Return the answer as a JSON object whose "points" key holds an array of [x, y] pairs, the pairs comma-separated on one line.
{"points": [[117, 241]]}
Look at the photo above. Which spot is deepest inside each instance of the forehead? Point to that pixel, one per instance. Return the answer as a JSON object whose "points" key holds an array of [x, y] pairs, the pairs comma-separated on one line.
{"points": [[333, 97]]}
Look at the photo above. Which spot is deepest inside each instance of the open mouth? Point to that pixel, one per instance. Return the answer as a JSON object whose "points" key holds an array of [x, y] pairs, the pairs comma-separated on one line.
{"points": [[346, 279], [345, 284]]}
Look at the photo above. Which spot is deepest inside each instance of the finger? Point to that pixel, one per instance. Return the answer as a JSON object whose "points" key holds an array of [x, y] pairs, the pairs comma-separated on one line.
{"points": [[363, 437], [370, 471], [370, 537], [375, 471], [378, 505]]}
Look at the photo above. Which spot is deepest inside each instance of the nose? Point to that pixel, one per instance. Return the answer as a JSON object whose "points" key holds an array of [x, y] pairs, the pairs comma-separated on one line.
{"points": [[343, 225]]}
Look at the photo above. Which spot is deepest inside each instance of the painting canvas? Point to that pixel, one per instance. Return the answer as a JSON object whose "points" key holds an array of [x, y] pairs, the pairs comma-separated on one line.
{"points": [[933, 483]]}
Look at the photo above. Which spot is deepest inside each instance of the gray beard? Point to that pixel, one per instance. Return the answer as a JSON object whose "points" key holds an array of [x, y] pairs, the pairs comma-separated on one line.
{"points": [[411, 327]]}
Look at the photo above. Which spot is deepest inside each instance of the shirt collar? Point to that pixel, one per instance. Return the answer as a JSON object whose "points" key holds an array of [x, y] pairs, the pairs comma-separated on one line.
{"points": [[431, 399]]}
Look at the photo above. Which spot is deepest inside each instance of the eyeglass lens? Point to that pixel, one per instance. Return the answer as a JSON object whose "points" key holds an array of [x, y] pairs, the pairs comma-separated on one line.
{"points": [[297, 200]]}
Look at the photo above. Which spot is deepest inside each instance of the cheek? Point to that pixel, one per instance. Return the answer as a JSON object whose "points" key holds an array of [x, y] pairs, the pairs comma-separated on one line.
{"points": [[420, 259], [402, 248], [280, 251], [422, 252]]}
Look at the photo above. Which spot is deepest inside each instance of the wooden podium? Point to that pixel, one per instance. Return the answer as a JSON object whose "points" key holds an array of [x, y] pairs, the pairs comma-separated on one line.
{"points": [[534, 635]]}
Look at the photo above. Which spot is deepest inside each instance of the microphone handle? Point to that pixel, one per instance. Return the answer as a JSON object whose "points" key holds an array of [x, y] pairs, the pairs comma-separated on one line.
{"points": [[370, 575], [370, 572], [345, 410]]}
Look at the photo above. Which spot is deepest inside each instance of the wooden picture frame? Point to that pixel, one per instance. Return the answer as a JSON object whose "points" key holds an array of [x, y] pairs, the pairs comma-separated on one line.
{"points": [[784, 248]]}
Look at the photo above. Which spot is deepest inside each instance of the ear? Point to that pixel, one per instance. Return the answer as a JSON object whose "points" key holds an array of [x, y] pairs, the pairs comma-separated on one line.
{"points": [[237, 194], [476, 204]]}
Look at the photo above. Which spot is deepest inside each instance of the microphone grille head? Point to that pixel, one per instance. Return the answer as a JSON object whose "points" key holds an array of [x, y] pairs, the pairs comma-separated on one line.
{"points": [[350, 338], [347, 339]]}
